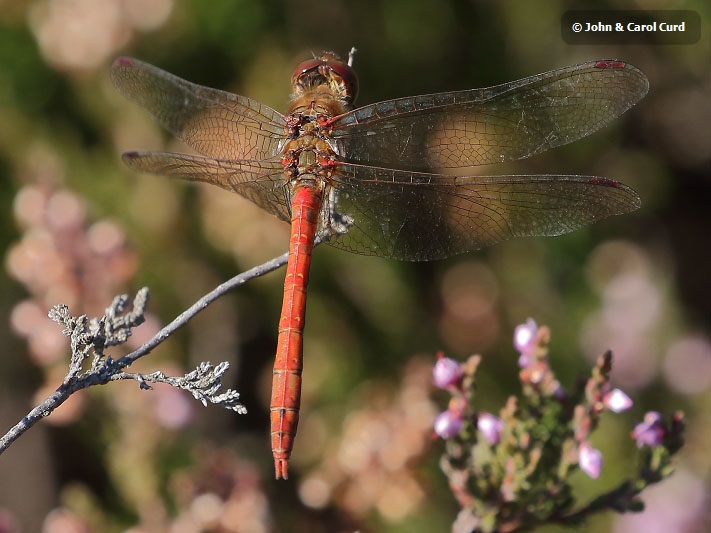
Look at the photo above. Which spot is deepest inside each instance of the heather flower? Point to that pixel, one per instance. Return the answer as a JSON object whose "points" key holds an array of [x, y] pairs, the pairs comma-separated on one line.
{"points": [[617, 401], [446, 373], [524, 340], [590, 460], [448, 424], [651, 431], [490, 427], [522, 479]]}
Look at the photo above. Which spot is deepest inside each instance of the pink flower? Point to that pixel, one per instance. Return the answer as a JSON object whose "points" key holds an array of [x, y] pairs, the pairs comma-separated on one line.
{"points": [[524, 341], [446, 373], [617, 401], [590, 460], [490, 427], [651, 431], [448, 424]]}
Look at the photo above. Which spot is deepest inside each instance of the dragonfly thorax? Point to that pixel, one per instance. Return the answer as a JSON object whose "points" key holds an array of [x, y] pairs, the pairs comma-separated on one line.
{"points": [[308, 154]]}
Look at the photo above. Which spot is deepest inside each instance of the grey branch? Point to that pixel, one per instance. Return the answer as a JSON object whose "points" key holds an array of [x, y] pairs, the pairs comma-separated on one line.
{"points": [[91, 337]]}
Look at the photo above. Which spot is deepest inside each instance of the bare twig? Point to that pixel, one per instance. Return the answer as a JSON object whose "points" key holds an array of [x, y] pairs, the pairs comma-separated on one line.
{"points": [[93, 336], [203, 383]]}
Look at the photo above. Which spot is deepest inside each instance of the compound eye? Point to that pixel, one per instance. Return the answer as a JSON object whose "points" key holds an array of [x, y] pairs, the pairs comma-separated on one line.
{"points": [[348, 75], [305, 66]]}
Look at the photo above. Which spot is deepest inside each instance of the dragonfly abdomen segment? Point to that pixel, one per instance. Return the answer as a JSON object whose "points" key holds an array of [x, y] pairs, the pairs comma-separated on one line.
{"points": [[286, 385]]}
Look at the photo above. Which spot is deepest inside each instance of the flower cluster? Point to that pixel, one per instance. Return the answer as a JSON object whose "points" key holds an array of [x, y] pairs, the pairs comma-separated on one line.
{"points": [[61, 257], [511, 470]]}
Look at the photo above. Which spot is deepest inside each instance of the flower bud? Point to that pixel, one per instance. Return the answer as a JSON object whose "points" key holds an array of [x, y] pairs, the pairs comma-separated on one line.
{"points": [[617, 401], [590, 460], [446, 373], [524, 341], [448, 424], [651, 431], [490, 427]]}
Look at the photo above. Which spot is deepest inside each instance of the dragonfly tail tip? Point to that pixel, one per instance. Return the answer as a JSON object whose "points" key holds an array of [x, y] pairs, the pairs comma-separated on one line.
{"points": [[281, 468]]}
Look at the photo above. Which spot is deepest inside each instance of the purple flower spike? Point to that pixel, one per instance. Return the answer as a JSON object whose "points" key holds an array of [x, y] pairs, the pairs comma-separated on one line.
{"points": [[617, 401], [446, 373], [490, 427], [651, 431], [448, 424], [525, 340], [590, 460]]}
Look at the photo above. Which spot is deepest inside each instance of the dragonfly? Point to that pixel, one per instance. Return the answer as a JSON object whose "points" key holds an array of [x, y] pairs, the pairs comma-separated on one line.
{"points": [[378, 180]]}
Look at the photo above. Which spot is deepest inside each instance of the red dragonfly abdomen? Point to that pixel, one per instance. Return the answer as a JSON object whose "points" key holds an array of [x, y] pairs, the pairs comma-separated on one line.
{"points": [[286, 384]]}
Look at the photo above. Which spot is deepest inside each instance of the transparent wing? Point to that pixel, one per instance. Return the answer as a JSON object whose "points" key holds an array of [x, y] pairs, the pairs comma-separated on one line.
{"points": [[261, 182], [418, 216], [217, 124], [484, 126]]}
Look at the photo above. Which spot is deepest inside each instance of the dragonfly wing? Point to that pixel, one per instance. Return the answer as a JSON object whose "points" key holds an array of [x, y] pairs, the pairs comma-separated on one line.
{"points": [[419, 217], [485, 126], [261, 182], [215, 123]]}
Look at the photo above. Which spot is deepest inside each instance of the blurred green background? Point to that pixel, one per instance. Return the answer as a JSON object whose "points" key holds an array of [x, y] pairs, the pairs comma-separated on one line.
{"points": [[78, 227]]}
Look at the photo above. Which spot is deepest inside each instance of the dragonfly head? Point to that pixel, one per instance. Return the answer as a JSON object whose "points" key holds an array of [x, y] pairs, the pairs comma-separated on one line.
{"points": [[326, 73]]}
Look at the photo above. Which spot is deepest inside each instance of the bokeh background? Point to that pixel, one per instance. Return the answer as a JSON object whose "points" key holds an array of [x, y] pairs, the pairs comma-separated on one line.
{"points": [[77, 227]]}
